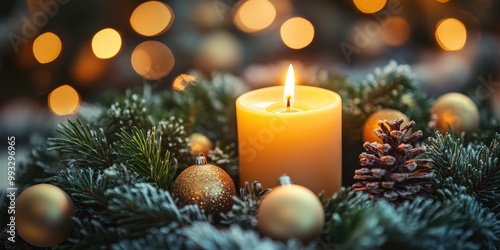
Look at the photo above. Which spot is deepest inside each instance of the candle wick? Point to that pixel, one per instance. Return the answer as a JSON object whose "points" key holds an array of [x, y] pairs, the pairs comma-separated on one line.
{"points": [[288, 105]]}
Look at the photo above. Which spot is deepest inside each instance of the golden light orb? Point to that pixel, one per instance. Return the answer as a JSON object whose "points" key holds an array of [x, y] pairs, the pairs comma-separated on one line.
{"points": [[152, 18], [64, 100], [46, 47], [297, 32]]}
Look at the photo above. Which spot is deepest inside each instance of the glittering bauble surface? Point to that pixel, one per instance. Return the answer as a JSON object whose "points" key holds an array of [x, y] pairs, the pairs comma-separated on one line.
{"points": [[291, 212], [43, 215], [372, 123], [457, 111], [199, 143], [208, 186]]}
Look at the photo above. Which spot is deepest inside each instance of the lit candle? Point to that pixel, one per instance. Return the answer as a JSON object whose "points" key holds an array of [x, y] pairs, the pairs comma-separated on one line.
{"points": [[292, 130]]}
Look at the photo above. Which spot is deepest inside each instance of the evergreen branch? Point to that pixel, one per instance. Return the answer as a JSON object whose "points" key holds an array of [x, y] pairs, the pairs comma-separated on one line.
{"points": [[208, 106], [90, 234], [454, 221], [40, 167], [174, 139], [390, 87], [131, 110], [82, 146], [168, 237], [205, 236], [348, 212], [143, 154], [477, 227], [386, 86], [474, 166], [226, 158], [87, 186], [245, 207], [138, 208]]}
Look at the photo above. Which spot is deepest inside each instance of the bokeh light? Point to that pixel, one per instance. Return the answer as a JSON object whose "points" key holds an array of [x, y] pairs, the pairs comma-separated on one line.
{"points": [[86, 68], [395, 31], [297, 33], [254, 15], [451, 34], [152, 18], [220, 50], [46, 47], [106, 43], [369, 6], [152, 60], [182, 81], [64, 100], [443, 1]]}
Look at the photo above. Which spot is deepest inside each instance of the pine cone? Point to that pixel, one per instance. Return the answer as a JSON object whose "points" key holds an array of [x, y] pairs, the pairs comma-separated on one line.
{"points": [[394, 170]]}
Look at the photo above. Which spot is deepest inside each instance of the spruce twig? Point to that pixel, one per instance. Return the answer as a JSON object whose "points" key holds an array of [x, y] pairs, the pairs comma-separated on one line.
{"points": [[472, 165], [131, 110], [140, 207], [87, 186], [143, 154], [82, 146], [245, 207]]}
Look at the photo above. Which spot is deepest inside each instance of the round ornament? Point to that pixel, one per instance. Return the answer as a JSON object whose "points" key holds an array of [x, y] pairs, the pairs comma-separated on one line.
{"points": [[207, 185], [199, 143], [372, 123], [291, 211], [457, 111], [43, 215]]}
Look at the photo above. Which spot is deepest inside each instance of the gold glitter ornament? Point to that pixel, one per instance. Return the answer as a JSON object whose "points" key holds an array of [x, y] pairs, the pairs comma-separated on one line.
{"points": [[199, 143], [206, 185], [291, 211], [457, 111], [372, 123], [43, 215]]}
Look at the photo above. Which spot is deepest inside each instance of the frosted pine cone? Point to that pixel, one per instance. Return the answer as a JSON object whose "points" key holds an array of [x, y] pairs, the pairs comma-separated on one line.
{"points": [[394, 170]]}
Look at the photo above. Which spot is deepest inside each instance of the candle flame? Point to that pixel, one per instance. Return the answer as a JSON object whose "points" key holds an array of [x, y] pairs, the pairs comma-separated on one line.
{"points": [[289, 93]]}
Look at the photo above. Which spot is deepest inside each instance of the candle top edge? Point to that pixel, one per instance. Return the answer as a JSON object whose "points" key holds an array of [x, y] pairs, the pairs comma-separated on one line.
{"points": [[315, 98]]}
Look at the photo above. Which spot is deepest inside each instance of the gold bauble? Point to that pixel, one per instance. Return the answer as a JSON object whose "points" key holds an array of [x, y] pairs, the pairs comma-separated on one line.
{"points": [[372, 123], [43, 215], [199, 143], [457, 111], [291, 211], [207, 185]]}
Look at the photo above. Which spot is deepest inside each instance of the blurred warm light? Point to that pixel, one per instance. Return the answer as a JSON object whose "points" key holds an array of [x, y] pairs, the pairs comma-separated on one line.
{"points": [[369, 6], [152, 18], [297, 33], [396, 31], [64, 100], [220, 50], [106, 43], [87, 68], [152, 60], [182, 81], [47, 47], [443, 1], [451, 34], [254, 15], [205, 15]]}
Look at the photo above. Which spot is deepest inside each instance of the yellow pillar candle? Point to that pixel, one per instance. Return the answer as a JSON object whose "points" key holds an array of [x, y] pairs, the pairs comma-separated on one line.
{"points": [[293, 132]]}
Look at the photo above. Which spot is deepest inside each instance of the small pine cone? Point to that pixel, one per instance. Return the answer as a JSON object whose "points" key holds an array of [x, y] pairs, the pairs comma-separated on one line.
{"points": [[394, 170]]}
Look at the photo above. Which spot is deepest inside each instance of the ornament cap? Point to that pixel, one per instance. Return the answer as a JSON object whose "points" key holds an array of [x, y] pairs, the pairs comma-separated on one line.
{"points": [[201, 159], [285, 180]]}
